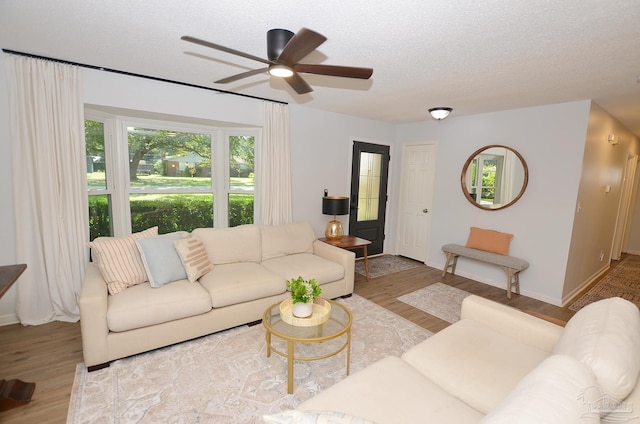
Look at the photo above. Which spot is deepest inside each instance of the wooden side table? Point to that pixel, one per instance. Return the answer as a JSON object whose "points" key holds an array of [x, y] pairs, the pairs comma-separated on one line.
{"points": [[13, 392], [351, 243]]}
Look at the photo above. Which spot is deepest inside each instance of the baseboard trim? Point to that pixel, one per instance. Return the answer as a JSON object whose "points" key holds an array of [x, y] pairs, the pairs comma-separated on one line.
{"points": [[8, 319], [575, 293], [502, 285]]}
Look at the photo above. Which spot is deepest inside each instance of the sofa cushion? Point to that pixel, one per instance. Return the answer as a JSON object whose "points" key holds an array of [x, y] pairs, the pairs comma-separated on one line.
{"points": [[474, 363], [390, 391], [143, 305], [160, 258], [305, 265], [287, 239], [559, 390], [194, 257], [119, 260], [228, 245], [230, 284], [605, 335]]}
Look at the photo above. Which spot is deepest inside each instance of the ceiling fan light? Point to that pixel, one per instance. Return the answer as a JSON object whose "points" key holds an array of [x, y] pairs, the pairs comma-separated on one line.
{"points": [[281, 71], [439, 113]]}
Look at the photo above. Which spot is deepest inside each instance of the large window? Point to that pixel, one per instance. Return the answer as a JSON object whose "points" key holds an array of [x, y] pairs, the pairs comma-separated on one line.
{"points": [[143, 173]]}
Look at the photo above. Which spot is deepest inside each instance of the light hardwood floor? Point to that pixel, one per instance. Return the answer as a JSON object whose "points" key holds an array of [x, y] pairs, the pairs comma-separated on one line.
{"points": [[48, 354]]}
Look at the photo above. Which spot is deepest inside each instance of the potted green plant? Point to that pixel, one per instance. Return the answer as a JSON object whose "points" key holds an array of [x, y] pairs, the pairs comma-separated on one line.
{"points": [[303, 292]]}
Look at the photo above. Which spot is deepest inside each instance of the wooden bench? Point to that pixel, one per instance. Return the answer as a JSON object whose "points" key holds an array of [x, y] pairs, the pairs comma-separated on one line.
{"points": [[511, 265]]}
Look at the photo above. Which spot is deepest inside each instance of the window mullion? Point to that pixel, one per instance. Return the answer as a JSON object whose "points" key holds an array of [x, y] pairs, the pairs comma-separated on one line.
{"points": [[120, 152], [221, 180]]}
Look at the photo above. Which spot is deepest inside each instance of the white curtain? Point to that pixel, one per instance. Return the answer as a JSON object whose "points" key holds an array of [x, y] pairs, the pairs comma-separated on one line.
{"points": [[276, 166], [50, 192]]}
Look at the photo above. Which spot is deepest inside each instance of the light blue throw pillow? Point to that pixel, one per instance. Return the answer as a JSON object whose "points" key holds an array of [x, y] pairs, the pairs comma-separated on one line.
{"points": [[160, 258]]}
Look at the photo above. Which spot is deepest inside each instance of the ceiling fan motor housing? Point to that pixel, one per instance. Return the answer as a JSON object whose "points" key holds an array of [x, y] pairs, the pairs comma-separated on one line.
{"points": [[277, 39]]}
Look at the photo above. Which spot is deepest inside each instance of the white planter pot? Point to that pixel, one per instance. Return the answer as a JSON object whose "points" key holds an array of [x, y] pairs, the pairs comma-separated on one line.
{"points": [[302, 310]]}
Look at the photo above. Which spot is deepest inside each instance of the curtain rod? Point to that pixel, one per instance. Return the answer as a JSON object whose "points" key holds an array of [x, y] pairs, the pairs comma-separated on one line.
{"points": [[131, 74]]}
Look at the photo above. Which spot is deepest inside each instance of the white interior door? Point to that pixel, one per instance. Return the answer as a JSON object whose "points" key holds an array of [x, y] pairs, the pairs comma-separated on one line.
{"points": [[622, 225], [416, 197]]}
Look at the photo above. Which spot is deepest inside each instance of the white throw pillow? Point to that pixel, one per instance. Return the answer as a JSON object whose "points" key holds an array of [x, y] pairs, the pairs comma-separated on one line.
{"points": [[605, 336], [160, 258], [119, 260], [560, 389]]}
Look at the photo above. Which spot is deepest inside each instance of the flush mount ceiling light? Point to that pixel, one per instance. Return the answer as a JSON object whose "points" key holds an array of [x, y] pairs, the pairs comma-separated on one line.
{"points": [[281, 71], [439, 113]]}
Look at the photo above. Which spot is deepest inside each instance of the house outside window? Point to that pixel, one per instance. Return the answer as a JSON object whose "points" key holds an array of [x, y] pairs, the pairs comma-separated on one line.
{"points": [[143, 173]]}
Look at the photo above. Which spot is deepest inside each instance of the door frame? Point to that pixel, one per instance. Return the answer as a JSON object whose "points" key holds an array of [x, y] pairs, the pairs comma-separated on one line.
{"points": [[352, 140], [401, 182]]}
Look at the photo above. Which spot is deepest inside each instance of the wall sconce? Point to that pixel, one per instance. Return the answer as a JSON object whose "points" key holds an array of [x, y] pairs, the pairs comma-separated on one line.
{"points": [[334, 205], [613, 140], [439, 113]]}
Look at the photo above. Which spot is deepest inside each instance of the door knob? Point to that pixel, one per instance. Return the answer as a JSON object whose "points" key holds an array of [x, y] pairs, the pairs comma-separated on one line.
{"points": [[425, 210]]}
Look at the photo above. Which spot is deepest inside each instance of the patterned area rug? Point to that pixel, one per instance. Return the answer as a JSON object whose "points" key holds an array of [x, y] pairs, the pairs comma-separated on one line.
{"points": [[226, 377], [623, 281], [439, 300], [385, 264]]}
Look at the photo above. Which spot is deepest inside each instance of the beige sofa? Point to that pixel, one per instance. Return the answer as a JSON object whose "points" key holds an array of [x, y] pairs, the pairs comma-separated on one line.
{"points": [[251, 264], [499, 365]]}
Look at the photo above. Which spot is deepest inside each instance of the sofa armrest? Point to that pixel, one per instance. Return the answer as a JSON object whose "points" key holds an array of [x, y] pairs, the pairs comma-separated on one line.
{"points": [[346, 258], [93, 317], [511, 322]]}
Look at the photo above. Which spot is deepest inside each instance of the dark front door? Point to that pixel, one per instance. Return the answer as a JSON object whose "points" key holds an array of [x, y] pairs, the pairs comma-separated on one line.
{"points": [[369, 175]]}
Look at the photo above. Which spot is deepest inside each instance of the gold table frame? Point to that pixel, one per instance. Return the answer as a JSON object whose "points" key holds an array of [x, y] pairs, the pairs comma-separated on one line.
{"points": [[333, 328]]}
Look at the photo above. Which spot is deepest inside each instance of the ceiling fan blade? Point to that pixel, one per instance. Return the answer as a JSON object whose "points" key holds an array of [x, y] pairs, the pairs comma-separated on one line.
{"points": [[301, 44], [242, 75], [335, 71], [297, 83], [223, 49]]}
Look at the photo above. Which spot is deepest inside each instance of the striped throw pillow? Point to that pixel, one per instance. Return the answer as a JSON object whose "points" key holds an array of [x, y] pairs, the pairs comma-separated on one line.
{"points": [[119, 260], [194, 257]]}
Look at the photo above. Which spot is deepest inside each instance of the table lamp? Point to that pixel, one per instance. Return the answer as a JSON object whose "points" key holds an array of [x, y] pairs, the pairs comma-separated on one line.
{"points": [[334, 205]]}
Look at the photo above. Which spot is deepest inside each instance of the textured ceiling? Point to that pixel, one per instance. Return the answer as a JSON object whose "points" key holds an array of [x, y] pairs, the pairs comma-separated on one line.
{"points": [[473, 55]]}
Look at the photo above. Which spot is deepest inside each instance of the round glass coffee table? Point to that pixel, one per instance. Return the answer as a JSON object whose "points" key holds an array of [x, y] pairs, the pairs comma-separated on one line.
{"points": [[338, 324]]}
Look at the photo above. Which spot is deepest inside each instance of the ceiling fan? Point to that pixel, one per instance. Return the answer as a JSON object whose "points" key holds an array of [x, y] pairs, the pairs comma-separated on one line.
{"points": [[284, 50]]}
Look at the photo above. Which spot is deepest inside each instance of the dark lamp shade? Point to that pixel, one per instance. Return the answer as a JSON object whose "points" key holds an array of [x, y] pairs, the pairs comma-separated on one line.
{"points": [[335, 205]]}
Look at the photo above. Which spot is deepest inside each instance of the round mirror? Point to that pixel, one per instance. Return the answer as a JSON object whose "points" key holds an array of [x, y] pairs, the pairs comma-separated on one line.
{"points": [[494, 177]]}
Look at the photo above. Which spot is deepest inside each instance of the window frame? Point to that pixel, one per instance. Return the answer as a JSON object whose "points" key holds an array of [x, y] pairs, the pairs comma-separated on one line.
{"points": [[226, 189], [118, 184]]}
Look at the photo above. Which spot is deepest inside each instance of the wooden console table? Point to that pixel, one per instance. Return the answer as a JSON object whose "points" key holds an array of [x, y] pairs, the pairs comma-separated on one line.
{"points": [[351, 243], [13, 392]]}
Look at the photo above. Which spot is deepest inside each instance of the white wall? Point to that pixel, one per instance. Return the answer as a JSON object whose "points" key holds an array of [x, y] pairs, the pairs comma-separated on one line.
{"points": [[596, 210], [321, 150], [551, 140], [140, 94]]}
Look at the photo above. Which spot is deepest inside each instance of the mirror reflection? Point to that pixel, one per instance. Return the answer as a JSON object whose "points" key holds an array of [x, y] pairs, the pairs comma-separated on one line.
{"points": [[494, 177]]}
